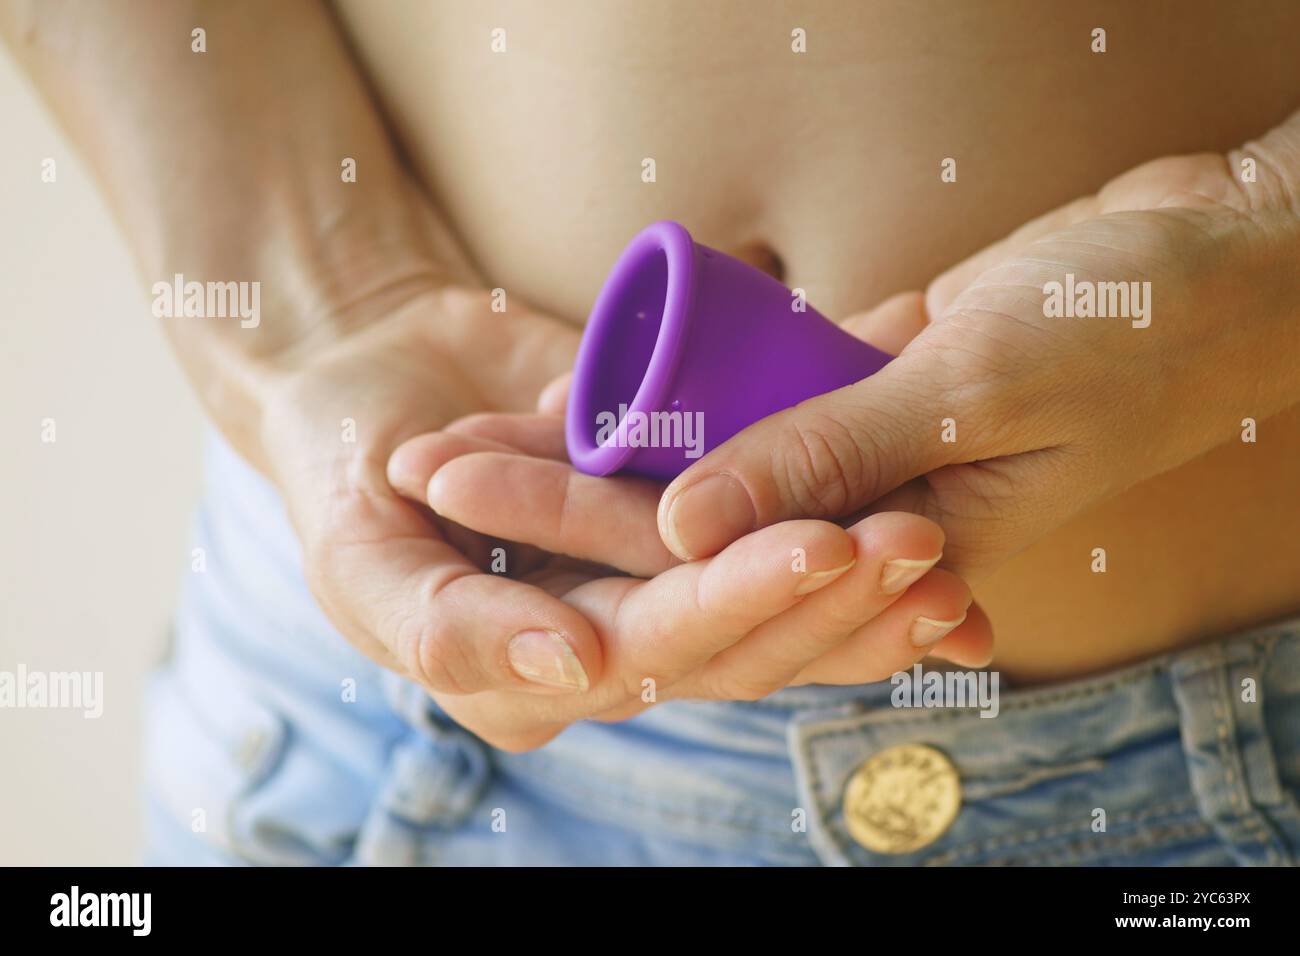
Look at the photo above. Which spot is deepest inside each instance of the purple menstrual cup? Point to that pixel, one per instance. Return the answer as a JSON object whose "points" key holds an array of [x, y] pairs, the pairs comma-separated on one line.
{"points": [[685, 347]]}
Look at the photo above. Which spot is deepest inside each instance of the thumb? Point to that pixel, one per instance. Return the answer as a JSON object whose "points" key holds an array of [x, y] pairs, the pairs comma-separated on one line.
{"points": [[823, 458]]}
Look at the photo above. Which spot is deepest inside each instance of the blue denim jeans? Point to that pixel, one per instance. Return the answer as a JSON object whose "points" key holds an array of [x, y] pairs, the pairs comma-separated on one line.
{"points": [[271, 741]]}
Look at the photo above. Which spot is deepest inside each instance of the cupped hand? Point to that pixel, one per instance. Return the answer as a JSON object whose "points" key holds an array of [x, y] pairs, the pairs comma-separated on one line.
{"points": [[798, 602], [412, 591]]}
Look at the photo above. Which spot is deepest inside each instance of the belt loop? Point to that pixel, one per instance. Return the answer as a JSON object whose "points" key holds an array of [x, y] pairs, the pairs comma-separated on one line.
{"points": [[437, 773], [1229, 758]]}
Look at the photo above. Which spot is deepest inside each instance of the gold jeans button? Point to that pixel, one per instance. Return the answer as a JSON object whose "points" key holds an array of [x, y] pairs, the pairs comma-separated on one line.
{"points": [[902, 799]]}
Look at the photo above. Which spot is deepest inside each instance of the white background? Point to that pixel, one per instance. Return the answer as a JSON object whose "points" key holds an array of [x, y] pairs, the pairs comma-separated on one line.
{"points": [[93, 528]]}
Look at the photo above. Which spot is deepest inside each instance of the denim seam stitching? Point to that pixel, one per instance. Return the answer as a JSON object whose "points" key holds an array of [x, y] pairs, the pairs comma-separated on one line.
{"points": [[904, 715], [1169, 810], [1156, 836]]}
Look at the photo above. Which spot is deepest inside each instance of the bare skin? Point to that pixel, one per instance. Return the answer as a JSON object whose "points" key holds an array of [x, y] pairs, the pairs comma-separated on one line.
{"points": [[828, 163], [377, 307], [225, 163]]}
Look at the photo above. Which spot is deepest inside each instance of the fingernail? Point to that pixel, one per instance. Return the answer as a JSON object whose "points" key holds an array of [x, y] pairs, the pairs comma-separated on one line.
{"points": [[926, 630], [902, 573], [819, 579], [544, 657], [708, 516]]}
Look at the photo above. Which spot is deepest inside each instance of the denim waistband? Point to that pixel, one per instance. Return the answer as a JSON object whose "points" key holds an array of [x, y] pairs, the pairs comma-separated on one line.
{"points": [[1200, 746]]}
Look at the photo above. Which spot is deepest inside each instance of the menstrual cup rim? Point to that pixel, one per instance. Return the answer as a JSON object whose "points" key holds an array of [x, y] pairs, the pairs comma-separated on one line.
{"points": [[678, 247]]}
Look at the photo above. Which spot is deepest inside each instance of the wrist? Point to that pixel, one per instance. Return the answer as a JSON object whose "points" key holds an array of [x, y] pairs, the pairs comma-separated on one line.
{"points": [[307, 308]]}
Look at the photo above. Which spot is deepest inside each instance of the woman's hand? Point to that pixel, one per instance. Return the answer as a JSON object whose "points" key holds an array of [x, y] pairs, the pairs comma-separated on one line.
{"points": [[1000, 420], [794, 603], [410, 590], [798, 602]]}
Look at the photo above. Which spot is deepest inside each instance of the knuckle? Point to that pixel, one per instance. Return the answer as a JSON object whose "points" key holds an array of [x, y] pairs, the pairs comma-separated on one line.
{"points": [[432, 651], [821, 466], [433, 659]]}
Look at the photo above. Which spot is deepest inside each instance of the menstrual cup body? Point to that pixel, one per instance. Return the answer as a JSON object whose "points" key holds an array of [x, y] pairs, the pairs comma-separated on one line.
{"points": [[687, 346]]}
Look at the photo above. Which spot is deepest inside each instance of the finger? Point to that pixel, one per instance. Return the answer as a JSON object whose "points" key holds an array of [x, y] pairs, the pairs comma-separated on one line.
{"points": [[388, 581], [657, 631], [892, 324], [509, 722], [971, 644], [907, 631], [553, 507], [409, 471], [413, 462], [555, 396], [541, 436], [892, 551], [669, 626], [514, 723], [824, 458]]}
